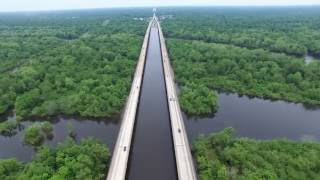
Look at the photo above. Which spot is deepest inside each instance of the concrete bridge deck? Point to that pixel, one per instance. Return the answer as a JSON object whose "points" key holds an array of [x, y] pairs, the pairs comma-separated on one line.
{"points": [[184, 160], [119, 161]]}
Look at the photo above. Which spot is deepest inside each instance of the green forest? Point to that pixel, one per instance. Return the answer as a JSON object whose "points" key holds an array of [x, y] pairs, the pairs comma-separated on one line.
{"points": [[8, 127], [244, 68], [257, 52], [223, 156], [80, 64], [197, 99], [251, 72], [36, 133], [69, 160], [69, 63], [291, 30]]}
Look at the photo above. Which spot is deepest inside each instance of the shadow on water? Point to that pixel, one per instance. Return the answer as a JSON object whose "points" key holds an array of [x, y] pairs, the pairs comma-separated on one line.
{"points": [[258, 118], [310, 107], [306, 106]]}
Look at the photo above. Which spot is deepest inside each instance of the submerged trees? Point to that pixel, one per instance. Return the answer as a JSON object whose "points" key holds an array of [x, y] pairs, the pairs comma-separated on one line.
{"points": [[8, 128], [36, 133]]}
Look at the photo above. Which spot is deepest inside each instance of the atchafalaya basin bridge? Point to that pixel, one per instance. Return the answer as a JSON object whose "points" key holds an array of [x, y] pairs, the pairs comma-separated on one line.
{"points": [[184, 161]]}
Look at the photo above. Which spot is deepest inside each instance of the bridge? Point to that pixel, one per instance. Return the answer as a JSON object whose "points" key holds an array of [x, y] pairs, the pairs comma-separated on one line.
{"points": [[183, 157]]}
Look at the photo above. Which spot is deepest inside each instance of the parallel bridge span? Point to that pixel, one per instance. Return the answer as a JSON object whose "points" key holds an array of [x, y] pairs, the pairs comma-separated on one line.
{"points": [[184, 160], [119, 161]]}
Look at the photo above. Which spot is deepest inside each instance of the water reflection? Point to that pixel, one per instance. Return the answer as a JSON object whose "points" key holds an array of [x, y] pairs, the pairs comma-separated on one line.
{"points": [[258, 118], [309, 58], [106, 131]]}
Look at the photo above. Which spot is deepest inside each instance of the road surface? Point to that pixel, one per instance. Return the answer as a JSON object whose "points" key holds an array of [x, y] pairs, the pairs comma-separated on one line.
{"points": [[118, 166]]}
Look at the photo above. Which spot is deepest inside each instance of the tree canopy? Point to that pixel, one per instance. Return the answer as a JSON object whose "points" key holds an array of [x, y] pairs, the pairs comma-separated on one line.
{"points": [[223, 156], [36, 133], [68, 63], [252, 72], [70, 160], [251, 51], [291, 30]]}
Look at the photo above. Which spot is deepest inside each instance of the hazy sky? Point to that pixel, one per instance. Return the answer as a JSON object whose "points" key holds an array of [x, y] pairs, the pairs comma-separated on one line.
{"points": [[29, 5]]}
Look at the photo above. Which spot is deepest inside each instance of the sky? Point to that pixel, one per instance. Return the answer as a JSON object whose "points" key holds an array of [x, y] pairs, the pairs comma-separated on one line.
{"points": [[36, 5]]}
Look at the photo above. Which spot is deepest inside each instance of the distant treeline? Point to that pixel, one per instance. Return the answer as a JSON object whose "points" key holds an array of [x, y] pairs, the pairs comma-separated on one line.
{"points": [[294, 30]]}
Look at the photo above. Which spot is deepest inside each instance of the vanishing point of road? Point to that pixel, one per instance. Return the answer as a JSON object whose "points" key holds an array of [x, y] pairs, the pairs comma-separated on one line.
{"points": [[152, 141]]}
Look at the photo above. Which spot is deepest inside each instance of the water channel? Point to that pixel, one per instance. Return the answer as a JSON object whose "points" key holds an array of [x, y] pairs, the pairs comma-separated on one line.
{"points": [[259, 119], [152, 153], [104, 130]]}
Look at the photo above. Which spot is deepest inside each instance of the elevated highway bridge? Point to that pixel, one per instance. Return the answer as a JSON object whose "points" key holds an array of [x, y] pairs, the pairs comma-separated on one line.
{"points": [[184, 165]]}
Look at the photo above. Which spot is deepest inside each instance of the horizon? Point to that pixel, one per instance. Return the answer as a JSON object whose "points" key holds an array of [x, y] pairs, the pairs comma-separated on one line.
{"points": [[60, 5], [174, 6]]}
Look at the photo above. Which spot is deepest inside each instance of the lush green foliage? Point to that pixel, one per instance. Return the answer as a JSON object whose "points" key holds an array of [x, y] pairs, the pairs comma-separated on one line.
{"points": [[223, 156], [87, 160], [71, 131], [73, 63], [198, 99], [47, 128], [7, 128], [292, 30], [253, 72], [36, 133], [9, 169]]}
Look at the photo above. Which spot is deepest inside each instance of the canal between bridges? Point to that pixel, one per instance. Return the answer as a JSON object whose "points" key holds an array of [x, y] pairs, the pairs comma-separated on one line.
{"points": [[152, 151]]}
